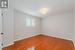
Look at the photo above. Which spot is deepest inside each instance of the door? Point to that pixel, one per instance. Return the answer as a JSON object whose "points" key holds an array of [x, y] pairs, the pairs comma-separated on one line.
{"points": [[0, 29]]}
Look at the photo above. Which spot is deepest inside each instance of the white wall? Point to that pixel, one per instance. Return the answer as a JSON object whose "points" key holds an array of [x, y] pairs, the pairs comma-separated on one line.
{"points": [[8, 25], [21, 31], [60, 25], [74, 27]]}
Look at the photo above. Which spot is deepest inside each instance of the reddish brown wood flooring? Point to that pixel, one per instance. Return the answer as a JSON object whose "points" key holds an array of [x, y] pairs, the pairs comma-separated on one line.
{"points": [[42, 42]]}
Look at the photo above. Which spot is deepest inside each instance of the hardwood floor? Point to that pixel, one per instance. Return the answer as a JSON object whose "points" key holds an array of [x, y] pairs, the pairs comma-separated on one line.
{"points": [[42, 42], [9, 48]]}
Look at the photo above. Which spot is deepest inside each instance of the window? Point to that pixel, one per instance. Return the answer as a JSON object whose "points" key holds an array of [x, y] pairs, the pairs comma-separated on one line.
{"points": [[30, 21]]}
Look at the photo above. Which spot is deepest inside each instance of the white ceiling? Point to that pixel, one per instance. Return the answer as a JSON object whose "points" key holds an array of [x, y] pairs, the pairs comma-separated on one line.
{"points": [[54, 6]]}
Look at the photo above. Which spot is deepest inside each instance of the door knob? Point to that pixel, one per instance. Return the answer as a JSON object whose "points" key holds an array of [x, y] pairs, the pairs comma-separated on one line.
{"points": [[2, 33]]}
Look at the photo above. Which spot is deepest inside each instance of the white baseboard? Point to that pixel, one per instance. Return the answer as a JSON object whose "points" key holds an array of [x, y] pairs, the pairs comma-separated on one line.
{"points": [[8, 45], [26, 37], [74, 43]]}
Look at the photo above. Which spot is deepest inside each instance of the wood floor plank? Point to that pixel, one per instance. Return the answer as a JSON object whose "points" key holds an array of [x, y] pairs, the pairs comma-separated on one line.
{"points": [[42, 42]]}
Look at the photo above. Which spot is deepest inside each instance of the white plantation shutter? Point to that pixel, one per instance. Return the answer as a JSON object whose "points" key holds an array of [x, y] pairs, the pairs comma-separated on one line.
{"points": [[30, 21], [33, 22]]}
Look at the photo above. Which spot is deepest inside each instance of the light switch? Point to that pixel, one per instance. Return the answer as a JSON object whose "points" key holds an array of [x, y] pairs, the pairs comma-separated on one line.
{"points": [[3, 3]]}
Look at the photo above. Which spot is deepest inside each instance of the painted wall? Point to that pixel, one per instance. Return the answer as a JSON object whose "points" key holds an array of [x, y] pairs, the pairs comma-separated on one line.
{"points": [[21, 30], [74, 27], [59, 25]]}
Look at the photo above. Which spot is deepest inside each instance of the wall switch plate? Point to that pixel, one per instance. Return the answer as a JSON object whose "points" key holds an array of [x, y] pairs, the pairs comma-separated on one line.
{"points": [[3, 3]]}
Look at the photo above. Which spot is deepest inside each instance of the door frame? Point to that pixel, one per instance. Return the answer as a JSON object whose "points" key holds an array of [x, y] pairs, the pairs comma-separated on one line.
{"points": [[0, 29]]}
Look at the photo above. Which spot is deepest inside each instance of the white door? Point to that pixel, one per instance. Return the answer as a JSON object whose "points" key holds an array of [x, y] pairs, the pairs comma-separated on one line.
{"points": [[0, 30]]}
